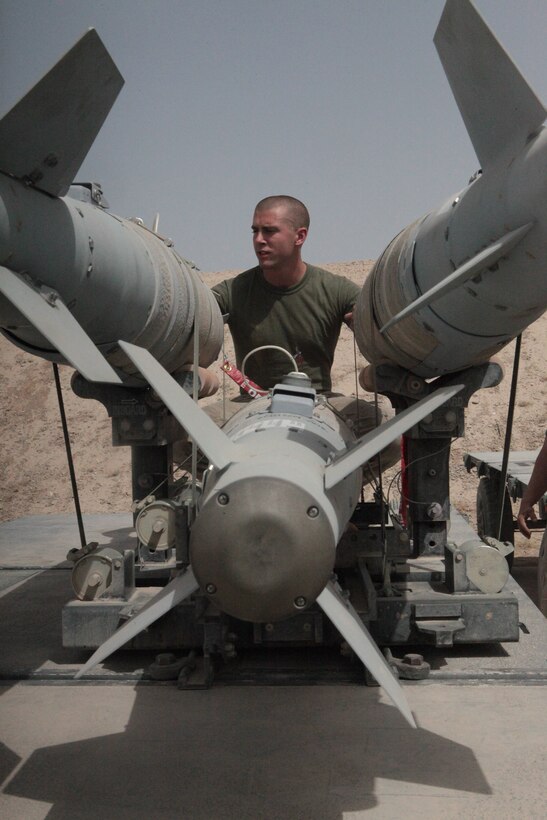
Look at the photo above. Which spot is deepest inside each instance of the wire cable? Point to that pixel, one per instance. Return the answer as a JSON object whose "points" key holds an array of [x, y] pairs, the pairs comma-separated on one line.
{"points": [[70, 460]]}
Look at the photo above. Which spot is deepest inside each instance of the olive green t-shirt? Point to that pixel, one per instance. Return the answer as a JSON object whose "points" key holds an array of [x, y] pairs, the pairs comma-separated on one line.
{"points": [[304, 319]]}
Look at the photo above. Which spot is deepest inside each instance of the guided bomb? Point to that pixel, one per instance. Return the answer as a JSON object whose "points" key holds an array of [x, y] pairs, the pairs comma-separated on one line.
{"points": [[284, 479], [74, 277], [458, 284]]}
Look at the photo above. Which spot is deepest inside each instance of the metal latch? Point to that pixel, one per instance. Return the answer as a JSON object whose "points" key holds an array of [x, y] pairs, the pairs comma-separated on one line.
{"points": [[443, 630]]}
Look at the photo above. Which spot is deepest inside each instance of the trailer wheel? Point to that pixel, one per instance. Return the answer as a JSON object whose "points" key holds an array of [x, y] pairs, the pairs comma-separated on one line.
{"points": [[488, 512]]}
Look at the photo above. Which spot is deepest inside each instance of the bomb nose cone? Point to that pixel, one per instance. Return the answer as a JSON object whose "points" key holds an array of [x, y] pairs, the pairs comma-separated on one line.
{"points": [[262, 549]]}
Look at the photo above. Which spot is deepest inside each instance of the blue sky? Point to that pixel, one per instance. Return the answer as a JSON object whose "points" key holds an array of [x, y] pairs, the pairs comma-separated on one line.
{"points": [[343, 104]]}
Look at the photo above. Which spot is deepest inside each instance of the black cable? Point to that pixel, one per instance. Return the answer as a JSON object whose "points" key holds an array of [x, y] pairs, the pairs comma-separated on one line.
{"points": [[68, 449], [509, 431]]}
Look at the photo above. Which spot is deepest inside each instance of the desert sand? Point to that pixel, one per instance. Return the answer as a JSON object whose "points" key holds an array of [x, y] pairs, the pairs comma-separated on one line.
{"points": [[34, 470]]}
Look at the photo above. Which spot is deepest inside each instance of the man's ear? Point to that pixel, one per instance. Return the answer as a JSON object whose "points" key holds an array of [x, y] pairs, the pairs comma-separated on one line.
{"points": [[301, 235]]}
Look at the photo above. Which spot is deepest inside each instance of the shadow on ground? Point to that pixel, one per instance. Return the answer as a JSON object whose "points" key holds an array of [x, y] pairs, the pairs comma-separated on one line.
{"points": [[258, 752]]}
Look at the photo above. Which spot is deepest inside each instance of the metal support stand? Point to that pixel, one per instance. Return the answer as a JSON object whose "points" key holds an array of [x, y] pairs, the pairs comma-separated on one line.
{"points": [[428, 446]]}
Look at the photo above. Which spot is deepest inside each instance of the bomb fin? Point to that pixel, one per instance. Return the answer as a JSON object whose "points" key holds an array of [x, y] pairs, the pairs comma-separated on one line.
{"points": [[498, 107], [374, 442], [45, 310], [347, 622], [484, 259], [215, 444], [46, 136], [176, 591]]}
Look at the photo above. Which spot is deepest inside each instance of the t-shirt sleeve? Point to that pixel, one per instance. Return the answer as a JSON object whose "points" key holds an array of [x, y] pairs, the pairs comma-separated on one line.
{"points": [[223, 293], [349, 292]]}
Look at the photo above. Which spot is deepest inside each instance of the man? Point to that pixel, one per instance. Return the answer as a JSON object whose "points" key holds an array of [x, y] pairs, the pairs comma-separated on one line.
{"points": [[285, 302], [537, 486]]}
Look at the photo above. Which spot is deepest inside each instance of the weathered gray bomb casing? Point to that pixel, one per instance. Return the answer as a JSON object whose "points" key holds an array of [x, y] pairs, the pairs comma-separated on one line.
{"points": [[265, 539], [75, 279], [117, 278], [457, 285]]}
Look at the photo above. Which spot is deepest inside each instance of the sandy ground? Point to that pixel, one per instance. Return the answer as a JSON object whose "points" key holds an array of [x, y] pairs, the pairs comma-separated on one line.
{"points": [[34, 473]]}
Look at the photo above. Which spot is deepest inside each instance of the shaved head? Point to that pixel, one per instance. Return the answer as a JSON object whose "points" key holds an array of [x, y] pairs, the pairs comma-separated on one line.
{"points": [[296, 212]]}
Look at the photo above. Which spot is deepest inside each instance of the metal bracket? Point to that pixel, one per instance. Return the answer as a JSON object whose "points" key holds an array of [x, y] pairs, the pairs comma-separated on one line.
{"points": [[200, 674], [443, 631], [411, 667]]}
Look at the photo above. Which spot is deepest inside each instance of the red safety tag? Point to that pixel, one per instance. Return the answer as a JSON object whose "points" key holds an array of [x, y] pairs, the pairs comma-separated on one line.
{"points": [[246, 384]]}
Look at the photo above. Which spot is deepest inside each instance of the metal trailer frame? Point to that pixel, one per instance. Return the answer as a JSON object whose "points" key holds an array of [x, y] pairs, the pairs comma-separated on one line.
{"points": [[411, 585]]}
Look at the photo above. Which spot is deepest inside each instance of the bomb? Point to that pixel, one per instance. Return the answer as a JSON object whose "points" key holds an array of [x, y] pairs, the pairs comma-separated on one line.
{"points": [[74, 277], [458, 284]]}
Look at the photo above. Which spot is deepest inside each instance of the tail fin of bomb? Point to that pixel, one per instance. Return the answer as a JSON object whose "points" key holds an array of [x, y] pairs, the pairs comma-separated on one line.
{"points": [[47, 312], [46, 136], [215, 444], [346, 620], [374, 442], [483, 259], [498, 107], [176, 591]]}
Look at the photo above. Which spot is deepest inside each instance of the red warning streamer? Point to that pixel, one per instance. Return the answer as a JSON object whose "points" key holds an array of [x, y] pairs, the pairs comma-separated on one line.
{"points": [[246, 384]]}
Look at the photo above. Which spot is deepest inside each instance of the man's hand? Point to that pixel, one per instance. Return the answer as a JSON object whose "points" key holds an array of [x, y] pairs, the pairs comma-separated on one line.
{"points": [[537, 486], [348, 319], [525, 513]]}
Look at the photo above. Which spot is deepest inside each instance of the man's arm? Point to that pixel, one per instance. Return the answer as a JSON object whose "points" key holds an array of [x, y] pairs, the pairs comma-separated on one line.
{"points": [[350, 292], [535, 489], [222, 293]]}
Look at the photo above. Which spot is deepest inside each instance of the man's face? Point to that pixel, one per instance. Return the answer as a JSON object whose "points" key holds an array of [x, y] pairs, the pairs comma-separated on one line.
{"points": [[275, 239]]}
